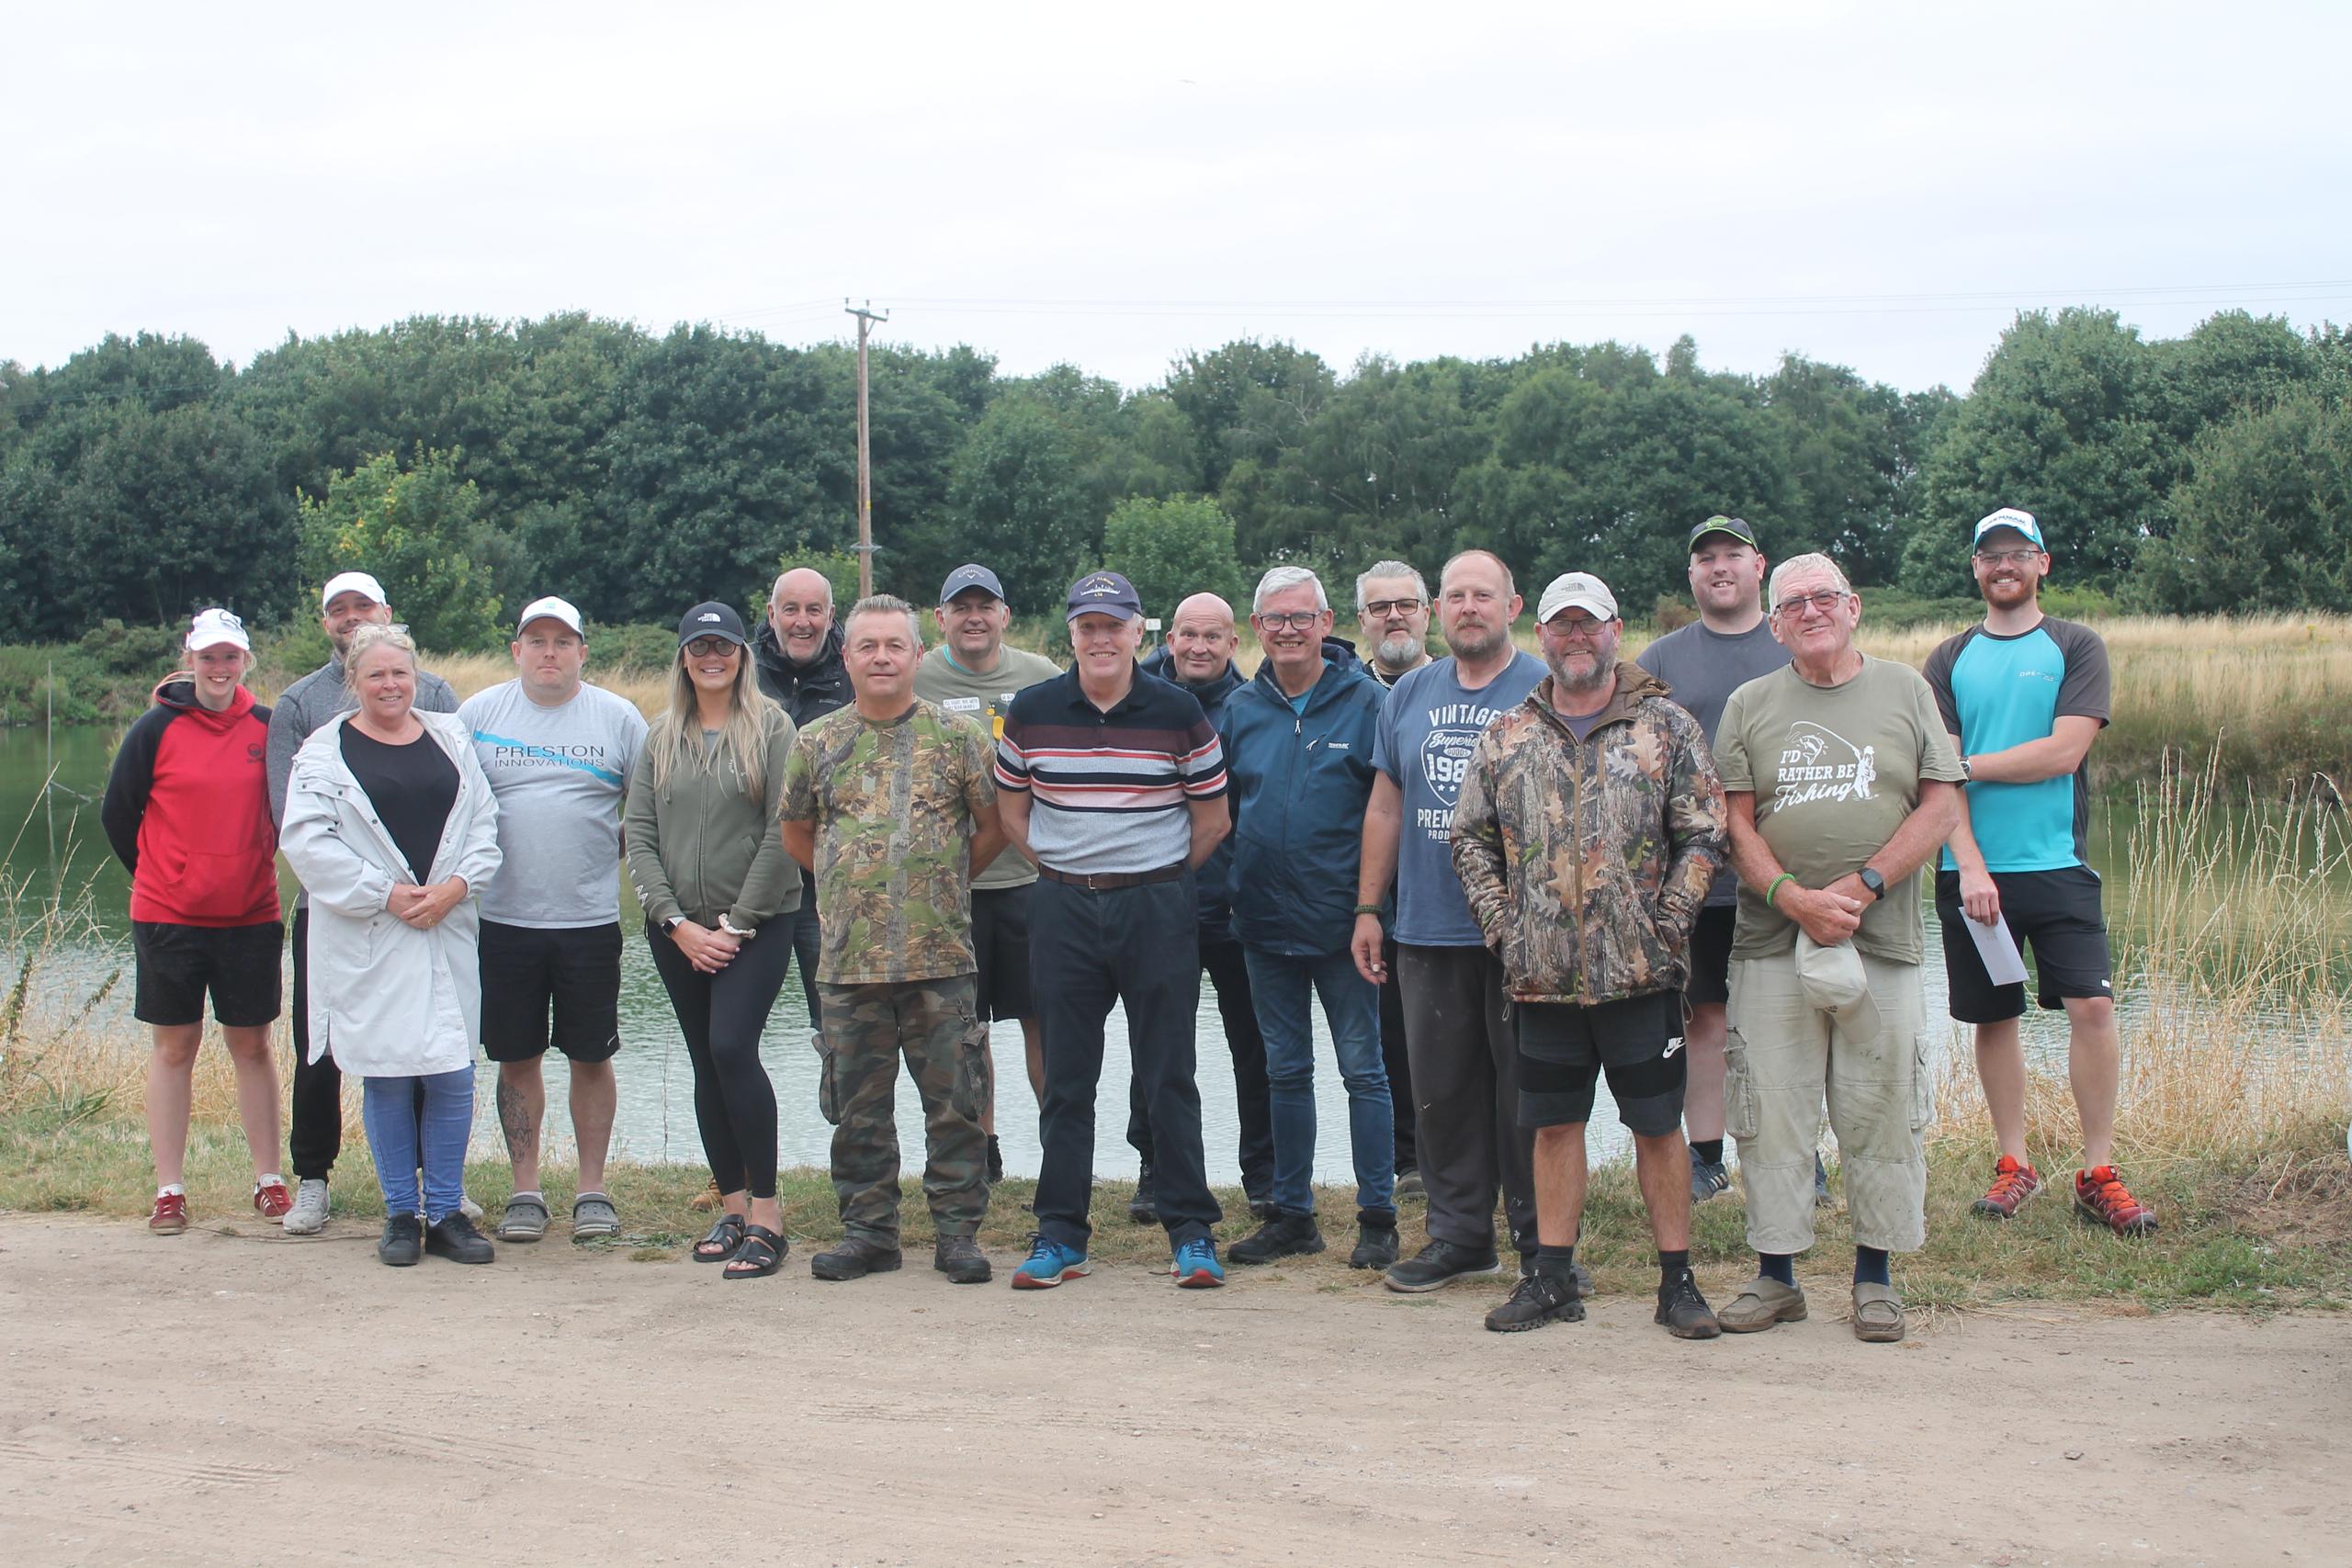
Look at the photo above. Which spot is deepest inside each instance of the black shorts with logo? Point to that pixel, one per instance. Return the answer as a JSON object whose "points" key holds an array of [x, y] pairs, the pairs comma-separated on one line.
{"points": [[1564, 1049], [176, 964], [2056, 913], [1710, 981], [529, 973], [1001, 951]]}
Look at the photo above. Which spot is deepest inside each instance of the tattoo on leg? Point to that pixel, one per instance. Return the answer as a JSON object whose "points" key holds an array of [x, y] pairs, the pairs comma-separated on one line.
{"points": [[514, 1119]]}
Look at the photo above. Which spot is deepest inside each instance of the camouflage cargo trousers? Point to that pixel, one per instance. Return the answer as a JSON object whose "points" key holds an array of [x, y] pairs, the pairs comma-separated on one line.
{"points": [[931, 1024]]}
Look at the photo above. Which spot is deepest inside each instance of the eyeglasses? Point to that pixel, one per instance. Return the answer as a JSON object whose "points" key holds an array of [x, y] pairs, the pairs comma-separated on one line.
{"points": [[1825, 601], [1560, 625], [2008, 557], [710, 646], [1297, 620], [1381, 609]]}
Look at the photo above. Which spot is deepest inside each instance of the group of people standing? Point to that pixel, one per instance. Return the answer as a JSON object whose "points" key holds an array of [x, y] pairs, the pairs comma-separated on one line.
{"points": [[1499, 877]]}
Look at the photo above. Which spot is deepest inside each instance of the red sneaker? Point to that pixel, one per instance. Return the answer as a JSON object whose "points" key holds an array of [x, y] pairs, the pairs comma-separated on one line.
{"points": [[271, 1200], [170, 1217], [2013, 1183], [2102, 1198]]}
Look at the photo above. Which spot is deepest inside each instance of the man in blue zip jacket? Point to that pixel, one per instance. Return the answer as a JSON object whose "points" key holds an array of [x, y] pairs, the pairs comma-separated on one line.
{"points": [[1298, 754]]}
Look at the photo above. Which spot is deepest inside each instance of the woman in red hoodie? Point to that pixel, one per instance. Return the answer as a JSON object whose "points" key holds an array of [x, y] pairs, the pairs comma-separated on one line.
{"points": [[188, 810]]}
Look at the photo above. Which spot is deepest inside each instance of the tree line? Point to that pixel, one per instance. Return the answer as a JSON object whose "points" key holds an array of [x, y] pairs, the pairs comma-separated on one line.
{"points": [[473, 464]]}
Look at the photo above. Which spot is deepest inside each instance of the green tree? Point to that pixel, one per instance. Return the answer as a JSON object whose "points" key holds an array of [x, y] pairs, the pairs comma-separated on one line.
{"points": [[1172, 549], [420, 533], [1019, 505], [2264, 518]]}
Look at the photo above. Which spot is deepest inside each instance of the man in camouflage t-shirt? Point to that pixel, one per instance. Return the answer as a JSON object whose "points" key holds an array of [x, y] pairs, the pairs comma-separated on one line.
{"points": [[891, 804]]}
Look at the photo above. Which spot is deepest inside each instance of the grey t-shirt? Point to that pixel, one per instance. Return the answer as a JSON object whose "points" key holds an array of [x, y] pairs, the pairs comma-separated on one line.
{"points": [[1835, 769], [1704, 667], [560, 774], [1427, 729], [982, 699]]}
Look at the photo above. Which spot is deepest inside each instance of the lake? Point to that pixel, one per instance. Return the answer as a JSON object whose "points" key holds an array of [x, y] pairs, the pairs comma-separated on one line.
{"points": [[56, 845]]}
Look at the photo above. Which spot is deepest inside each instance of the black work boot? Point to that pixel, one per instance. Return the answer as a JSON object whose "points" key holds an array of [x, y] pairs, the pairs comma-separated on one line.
{"points": [[1285, 1236], [854, 1258], [1143, 1209], [1440, 1263], [1375, 1239], [960, 1258]]}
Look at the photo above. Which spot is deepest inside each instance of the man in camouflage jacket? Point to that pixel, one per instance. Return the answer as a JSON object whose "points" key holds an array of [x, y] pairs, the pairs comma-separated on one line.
{"points": [[1589, 825]]}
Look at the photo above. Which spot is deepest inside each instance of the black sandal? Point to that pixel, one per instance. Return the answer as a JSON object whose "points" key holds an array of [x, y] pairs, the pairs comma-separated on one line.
{"points": [[762, 1253], [726, 1236]]}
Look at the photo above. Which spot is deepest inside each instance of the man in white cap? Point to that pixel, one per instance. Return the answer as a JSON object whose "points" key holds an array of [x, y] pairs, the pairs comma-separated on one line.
{"points": [[350, 600], [1841, 783], [1588, 829], [559, 753]]}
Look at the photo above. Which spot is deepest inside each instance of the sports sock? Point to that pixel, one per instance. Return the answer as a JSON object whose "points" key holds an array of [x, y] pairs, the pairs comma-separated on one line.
{"points": [[171, 1189], [1869, 1266], [260, 1182], [1711, 1150], [1781, 1266], [1557, 1261], [1671, 1266]]}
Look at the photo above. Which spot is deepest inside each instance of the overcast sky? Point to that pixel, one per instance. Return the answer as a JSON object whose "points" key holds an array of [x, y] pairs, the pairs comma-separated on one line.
{"points": [[1870, 185]]}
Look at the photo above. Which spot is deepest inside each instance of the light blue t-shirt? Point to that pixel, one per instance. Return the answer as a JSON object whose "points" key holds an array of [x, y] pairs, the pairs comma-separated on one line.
{"points": [[1999, 691], [559, 775], [1427, 730]]}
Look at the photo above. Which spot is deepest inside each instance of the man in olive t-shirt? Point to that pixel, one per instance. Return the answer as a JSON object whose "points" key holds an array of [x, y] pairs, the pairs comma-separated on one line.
{"points": [[891, 804]]}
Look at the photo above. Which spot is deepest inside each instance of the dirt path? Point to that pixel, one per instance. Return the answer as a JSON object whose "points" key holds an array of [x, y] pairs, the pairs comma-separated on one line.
{"points": [[224, 1399]]}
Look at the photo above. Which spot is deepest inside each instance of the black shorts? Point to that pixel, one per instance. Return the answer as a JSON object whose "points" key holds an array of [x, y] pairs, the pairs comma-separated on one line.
{"points": [[1710, 981], [1000, 949], [528, 973], [1564, 1049], [239, 964], [2057, 914]]}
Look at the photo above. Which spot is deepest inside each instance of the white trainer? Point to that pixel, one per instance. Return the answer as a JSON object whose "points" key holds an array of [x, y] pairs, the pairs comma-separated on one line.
{"points": [[468, 1208], [309, 1214]]}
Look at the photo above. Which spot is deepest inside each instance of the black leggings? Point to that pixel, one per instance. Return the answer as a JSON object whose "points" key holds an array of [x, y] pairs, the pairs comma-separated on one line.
{"points": [[721, 1016]]}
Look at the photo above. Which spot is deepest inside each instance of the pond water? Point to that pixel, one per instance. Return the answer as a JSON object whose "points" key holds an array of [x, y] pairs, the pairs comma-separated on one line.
{"points": [[56, 848]]}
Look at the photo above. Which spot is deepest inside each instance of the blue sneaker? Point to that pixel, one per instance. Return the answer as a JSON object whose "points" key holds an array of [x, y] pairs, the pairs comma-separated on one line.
{"points": [[1196, 1267], [1048, 1265]]}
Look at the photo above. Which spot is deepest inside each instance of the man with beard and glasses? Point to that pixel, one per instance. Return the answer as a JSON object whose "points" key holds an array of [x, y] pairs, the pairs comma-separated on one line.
{"points": [[2023, 695], [1457, 1027], [1588, 832], [1393, 613]]}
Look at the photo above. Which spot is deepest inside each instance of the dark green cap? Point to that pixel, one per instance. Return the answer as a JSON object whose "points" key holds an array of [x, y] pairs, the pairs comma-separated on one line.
{"points": [[1736, 527]]}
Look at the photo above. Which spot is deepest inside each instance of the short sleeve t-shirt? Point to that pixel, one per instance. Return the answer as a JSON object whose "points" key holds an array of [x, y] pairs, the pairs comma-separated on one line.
{"points": [[1110, 791], [1703, 667], [1835, 769], [560, 774], [985, 699], [893, 806], [1428, 729], [1999, 691]]}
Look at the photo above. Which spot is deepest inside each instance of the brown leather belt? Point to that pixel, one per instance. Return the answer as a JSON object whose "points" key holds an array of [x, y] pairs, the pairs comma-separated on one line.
{"points": [[1110, 881]]}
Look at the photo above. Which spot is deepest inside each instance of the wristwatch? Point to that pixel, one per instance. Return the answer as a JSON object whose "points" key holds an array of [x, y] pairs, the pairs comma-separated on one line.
{"points": [[670, 926], [1874, 881], [1967, 774]]}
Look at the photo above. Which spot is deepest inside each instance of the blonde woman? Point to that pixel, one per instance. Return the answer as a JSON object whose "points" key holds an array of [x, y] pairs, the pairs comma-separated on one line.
{"points": [[186, 809], [391, 826], [712, 874]]}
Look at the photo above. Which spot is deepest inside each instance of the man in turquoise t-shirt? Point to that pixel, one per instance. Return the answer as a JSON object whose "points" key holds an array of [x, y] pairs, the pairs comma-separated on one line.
{"points": [[2024, 695]]}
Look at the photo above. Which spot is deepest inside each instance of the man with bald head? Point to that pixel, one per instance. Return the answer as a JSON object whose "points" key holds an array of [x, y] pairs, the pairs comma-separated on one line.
{"points": [[1198, 656], [797, 654]]}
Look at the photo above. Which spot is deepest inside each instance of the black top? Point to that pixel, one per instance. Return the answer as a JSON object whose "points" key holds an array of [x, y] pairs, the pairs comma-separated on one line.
{"points": [[413, 787]]}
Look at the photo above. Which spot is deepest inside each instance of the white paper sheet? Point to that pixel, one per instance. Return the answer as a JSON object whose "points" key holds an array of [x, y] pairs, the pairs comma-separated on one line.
{"points": [[1998, 949]]}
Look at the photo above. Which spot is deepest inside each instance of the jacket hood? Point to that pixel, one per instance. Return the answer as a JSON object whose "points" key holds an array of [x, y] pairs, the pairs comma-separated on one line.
{"points": [[1210, 693], [1634, 683], [177, 691]]}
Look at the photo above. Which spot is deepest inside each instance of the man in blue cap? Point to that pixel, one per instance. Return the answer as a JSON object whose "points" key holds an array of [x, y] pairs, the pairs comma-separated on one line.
{"points": [[1112, 782]]}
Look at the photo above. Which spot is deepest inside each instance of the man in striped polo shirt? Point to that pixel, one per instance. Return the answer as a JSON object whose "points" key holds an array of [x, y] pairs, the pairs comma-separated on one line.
{"points": [[1112, 782]]}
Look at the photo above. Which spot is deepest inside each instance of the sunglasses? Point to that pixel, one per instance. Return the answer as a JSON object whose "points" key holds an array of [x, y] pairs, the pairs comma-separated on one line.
{"points": [[710, 646]]}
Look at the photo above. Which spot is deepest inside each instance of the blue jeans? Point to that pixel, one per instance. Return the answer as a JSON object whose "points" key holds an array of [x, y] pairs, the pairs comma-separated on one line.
{"points": [[404, 1137], [1280, 984]]}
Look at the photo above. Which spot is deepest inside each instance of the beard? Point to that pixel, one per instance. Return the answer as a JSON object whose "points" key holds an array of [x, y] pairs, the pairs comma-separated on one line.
{"points": [[1582, 682], [1399, 650], [1474, 644]]}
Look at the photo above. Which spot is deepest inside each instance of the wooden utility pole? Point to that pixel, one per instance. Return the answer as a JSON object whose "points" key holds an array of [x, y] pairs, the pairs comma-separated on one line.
{"points": [[866, 316]]}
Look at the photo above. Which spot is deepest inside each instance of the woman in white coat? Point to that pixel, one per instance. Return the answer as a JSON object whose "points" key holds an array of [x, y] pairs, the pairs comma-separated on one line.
{"points": [[391, 824]]}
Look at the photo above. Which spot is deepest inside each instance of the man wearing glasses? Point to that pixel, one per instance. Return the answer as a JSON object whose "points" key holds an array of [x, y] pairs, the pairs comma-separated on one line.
{"points": [[1298, 747], [2023, 695], [1840, 783], [1393, 614]]}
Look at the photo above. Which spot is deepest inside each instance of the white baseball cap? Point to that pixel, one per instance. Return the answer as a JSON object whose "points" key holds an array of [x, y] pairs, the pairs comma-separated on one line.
{"points": [[214, 627], [351, 582], [2011, 518], [551, 609], [1579, 590]]}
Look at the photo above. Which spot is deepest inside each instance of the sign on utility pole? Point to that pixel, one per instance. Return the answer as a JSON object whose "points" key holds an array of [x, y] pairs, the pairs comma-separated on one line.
{"points": [[866, 316]]}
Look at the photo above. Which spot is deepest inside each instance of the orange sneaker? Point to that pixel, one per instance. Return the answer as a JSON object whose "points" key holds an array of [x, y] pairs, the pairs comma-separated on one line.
{"points": [[2013, 1183], [271, 1200], [170, 1217], [2102, 1198]]}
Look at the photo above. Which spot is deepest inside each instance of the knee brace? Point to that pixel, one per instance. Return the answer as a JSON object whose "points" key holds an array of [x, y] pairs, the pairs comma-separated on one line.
{"points": [[1649, 1094]]}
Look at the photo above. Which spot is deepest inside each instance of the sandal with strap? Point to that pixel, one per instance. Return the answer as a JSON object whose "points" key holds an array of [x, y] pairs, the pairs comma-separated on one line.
{"points": [[720, 1244], [760, 1255]]}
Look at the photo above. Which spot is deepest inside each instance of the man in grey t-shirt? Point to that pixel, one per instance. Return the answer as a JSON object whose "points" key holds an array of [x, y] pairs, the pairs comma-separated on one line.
{"points": [[559, 753], [1729, 645]]}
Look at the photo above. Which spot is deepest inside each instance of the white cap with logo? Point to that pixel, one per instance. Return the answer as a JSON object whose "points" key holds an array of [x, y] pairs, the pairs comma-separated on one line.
{"points": [[552, 609], [1579, 590], [351, 582], [214, 627]]}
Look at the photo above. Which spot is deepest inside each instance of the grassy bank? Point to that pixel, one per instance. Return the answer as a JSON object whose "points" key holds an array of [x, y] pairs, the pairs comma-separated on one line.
{"points": [[2238, 1084]]}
